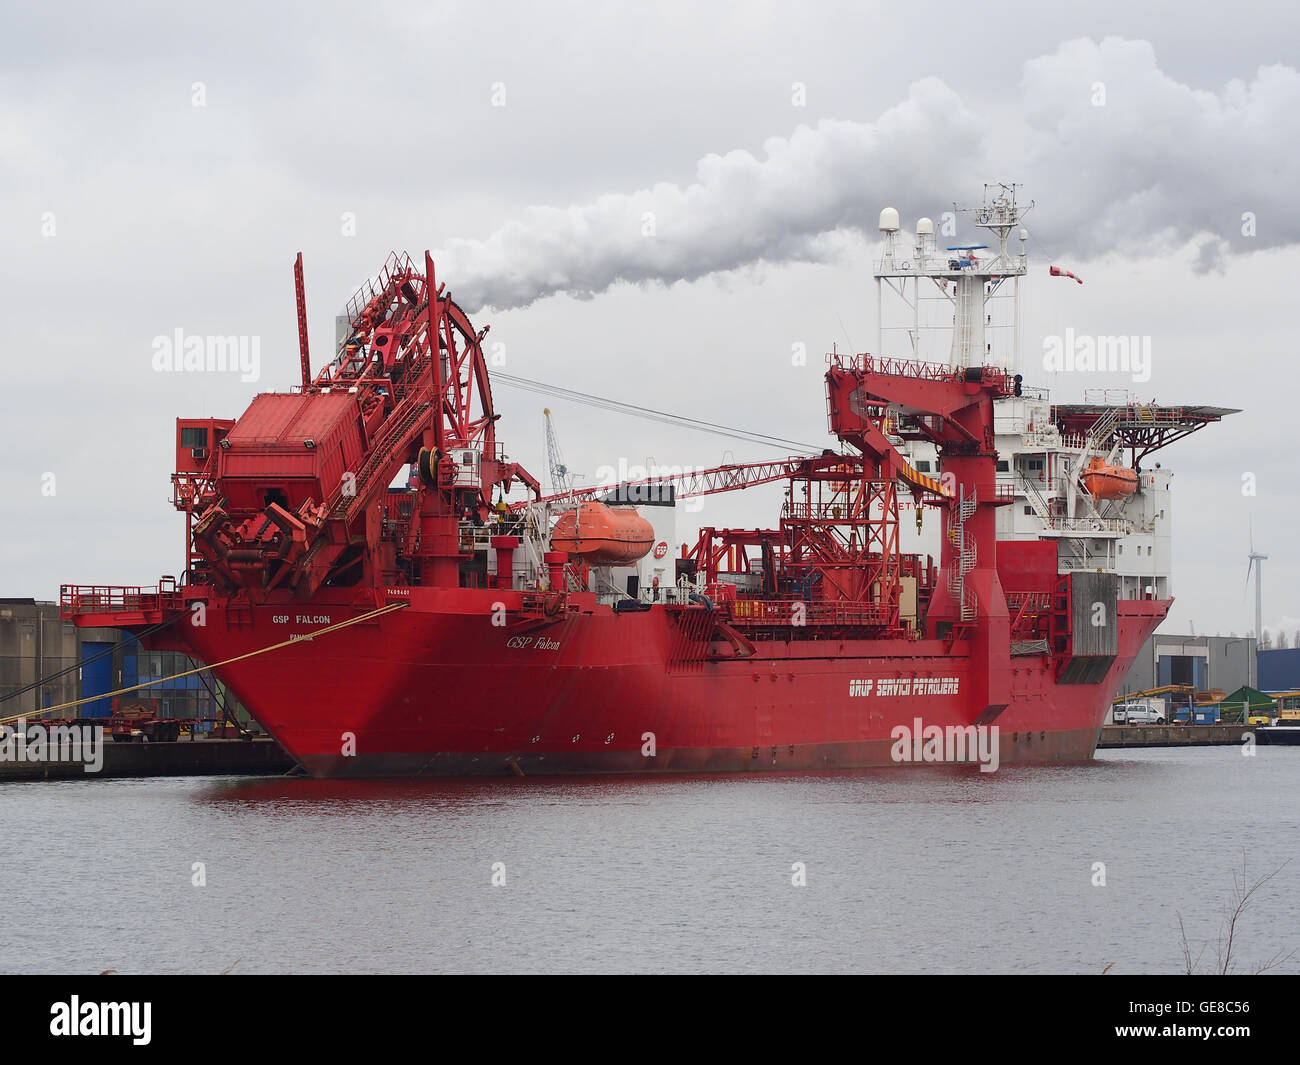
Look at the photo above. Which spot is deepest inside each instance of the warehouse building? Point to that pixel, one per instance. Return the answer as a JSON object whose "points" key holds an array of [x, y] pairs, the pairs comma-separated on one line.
{"points": [[1206, 663]]}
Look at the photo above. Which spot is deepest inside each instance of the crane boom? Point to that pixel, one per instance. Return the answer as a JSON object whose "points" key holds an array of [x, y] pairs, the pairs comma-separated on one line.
{"points": [[733, 477], [560, 479]]}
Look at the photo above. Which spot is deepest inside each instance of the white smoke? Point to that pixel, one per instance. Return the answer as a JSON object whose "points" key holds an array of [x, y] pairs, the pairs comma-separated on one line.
{"points": [[786, 207], [1119, 155]]}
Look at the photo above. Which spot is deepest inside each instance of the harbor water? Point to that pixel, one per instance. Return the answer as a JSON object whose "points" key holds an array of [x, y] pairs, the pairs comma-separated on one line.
{"points": [[1051, 870]]}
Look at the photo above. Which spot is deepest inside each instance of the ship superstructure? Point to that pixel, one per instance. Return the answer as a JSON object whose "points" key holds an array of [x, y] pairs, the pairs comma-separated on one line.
{"points": [[1080, 474], [1079, 478]]}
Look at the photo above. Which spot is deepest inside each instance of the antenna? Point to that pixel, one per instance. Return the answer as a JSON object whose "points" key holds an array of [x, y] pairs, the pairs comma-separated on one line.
{"points": [[956, 289]]}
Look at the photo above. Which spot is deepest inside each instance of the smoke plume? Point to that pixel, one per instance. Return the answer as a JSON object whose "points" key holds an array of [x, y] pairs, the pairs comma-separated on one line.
{"points": [[1119, 156]]}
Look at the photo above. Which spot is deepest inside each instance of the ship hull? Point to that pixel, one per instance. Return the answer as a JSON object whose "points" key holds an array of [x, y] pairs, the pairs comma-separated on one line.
{"points": [[1057, 747], [438, 689]]}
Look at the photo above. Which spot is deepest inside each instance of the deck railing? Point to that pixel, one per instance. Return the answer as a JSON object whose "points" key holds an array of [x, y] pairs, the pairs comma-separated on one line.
{"points": [[783, 612], [78, 599]]}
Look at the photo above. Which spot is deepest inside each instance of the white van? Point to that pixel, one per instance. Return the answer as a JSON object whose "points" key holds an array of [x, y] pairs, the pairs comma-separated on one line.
{"points": [[1138, 714]]}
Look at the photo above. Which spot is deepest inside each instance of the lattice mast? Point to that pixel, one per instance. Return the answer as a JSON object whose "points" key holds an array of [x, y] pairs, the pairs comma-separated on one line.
{"points": [[925, 293]]}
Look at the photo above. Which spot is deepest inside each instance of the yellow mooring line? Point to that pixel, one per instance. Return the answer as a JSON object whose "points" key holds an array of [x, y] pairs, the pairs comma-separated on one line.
{"points": [[215, 665]]}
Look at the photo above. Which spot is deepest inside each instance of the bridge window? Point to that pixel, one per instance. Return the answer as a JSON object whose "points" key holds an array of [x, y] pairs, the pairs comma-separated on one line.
{"points": [[194, 436]]}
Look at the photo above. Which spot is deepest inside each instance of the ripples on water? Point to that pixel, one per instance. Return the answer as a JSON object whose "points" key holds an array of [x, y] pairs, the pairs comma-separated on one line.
{"points": [[908, 870]]}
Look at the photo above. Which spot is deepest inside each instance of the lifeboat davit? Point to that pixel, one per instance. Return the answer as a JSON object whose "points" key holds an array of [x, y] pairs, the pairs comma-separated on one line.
{"points": [[1104, 481], [603, 536]]}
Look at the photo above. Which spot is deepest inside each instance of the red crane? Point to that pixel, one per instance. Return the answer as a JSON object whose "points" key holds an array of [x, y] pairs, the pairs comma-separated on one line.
{"points": [[293, 493]]}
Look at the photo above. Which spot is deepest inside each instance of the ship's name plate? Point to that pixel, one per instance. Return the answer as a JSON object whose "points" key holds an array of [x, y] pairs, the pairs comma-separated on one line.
{"points": [[884, 687], [542, 643]]}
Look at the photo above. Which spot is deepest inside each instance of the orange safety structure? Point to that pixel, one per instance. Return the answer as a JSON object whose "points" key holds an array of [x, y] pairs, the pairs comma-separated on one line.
{"points": [[602, 535], [1104, 481]]}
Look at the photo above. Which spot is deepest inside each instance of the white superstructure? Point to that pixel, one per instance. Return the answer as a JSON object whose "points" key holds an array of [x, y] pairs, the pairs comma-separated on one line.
{"points": [[960, 304], [1042, 468]]}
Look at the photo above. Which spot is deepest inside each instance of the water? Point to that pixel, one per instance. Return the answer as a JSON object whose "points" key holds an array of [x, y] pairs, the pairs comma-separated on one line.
{"points": [[908, 870]]}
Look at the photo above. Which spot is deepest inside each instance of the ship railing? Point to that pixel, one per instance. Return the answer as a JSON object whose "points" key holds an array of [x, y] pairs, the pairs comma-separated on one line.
{"points": [[370, 288], [1041, 507], [1107, 397], [1050, 430], [1018, 601], [798, 612], [573, 577], [1148, 414], [796, 511], [1086, 562], [476, 537], [1104, 427], [80, 599], [913, 368], [1094, 526], [969, 604], [1028, 611]]}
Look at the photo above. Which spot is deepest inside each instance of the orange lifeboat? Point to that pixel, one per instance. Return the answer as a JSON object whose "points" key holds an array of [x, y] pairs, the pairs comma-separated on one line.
{"points": [[603, 536], [1104, 481]]}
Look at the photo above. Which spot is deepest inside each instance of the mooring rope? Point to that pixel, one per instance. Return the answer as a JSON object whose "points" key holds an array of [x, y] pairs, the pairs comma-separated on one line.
{"points": [[215, 665]]}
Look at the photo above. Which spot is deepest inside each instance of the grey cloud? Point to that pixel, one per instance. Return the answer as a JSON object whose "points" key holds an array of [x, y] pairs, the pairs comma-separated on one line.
{"points": [[1161, 162]]}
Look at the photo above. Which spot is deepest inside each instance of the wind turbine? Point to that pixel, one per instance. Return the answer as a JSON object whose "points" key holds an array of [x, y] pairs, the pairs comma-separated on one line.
{"points": [[1257, 560]]}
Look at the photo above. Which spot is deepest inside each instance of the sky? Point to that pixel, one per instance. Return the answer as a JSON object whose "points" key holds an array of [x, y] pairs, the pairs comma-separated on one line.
{"points": [[161, 166]]}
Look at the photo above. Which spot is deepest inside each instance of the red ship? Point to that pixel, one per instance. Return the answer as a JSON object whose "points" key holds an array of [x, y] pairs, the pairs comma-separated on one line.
{"points": [[434, 628]]}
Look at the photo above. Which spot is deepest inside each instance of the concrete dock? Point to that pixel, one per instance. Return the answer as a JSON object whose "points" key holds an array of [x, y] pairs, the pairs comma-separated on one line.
{"points": [[1192, 735], [183, 758]]}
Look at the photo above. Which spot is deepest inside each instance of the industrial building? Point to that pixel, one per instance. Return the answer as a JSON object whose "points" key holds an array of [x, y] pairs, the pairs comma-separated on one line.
{"points": [[1206, 663], [1279, 670], [46, 661]]}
